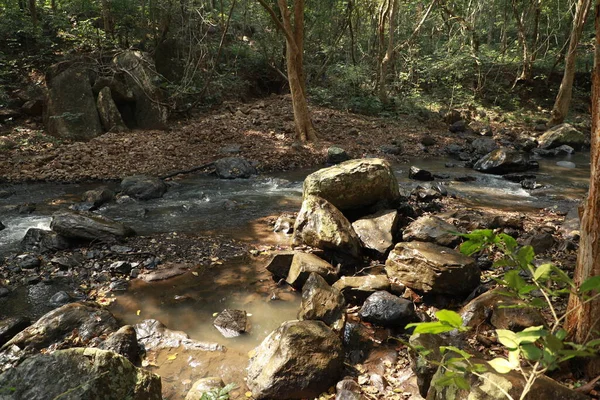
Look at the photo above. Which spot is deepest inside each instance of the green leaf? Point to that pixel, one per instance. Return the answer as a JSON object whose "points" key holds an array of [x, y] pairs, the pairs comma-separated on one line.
{"points": [[513, 280], [590, 284], [561, 334], [501, 365], [435, 327], [542, 272], [508, 338], [561, 276], [531, 352], [525, 255], [593, 343], [527, 289], [450, 317], [509, 241], [470, 247], [537, 303], [461, 383], [531, 334], [463, 353], [553, 343]]}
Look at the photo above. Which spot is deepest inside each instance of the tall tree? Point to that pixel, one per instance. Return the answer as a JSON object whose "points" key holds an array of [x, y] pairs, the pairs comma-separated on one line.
{"points": [[294, 50], [388, 13], [563, 98], [583, 320]]}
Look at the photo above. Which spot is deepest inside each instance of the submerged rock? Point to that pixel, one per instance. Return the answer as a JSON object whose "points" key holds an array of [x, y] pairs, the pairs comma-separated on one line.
{"points": [[504, 161], [81, 373], [301, 359], [153, 334], [232, 323], [428, 267], [143, 187], [234, 167], [354, 184], [322, 302], [88, 227], [320, 224], [419, 174]]}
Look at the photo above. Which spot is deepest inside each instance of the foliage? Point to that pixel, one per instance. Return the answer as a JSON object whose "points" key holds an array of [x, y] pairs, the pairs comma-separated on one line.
{"points": [[533, 351], [219, 393]]}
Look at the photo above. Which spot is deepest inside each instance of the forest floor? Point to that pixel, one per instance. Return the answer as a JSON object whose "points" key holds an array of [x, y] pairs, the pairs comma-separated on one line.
{"points": [[262, 130]]}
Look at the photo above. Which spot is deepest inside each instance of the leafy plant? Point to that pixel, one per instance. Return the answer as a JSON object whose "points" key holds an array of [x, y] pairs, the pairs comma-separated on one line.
{"points": [[219, 393]]}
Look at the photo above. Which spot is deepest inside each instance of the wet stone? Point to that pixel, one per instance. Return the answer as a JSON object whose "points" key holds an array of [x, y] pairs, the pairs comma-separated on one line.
{"points": [[119, 285], [4, 292], [232, 323], [28, 261], [419, 174], [60, 299], [9, 327], [336, 155], [120, 267]]}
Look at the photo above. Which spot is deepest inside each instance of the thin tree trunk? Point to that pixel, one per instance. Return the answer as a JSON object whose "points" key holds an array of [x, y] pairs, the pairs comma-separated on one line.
{"points": [[33, 12], [388, 57], [583, 320], [563, 99], [352, 40]]}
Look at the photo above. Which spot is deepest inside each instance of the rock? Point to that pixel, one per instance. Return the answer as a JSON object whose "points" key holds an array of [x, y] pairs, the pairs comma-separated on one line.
{"points": [[390, 149], [10, 326], [562, 134], [60, 299], [419, 174], [34, 108], [2, 226], [564, 149], [28, 261], [4, 291], [284, 224], [566, 164], [431, 268], [354, 184], [308, 349], [303, 264], [120, 267], [88, 227], [140, 76], [118, 89], [504, 161], [166, 271], [280, 264], [202, 386], [153, 335], [486, 386], [450, 116], [458, 126], [111, 118], [234, 167], [428, 140], [336, 155], [483, 146], [98, 197], [357, 288], [425, 194], [541, 242], [384, 309], [89, 320], [502, 311], [232, 323], [429, 228], [143, 187], [123, 342], [347, 389], [377, 231], [67, 262], [70, 106], [320, 224], [518, 178], [81, 373], [425, 365], [321, 302], [231, 149]]}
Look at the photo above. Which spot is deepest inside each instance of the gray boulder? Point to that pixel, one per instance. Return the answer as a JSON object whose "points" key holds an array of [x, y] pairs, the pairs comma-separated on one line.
{"points": [[99, 196], [143, 187], [308, 349], [419, 174], [303, 264], [80, 226], [111, 118], [429, 228], [43, 241], [431, 268], [321, 302], [70, 106], [336, 155], [320, 224], [483, 146], [81, 373], [354, 184], [504, 161], [234, 167], [357, 288], [384, 309], [377, 231], [140, 75], [560, 135]]}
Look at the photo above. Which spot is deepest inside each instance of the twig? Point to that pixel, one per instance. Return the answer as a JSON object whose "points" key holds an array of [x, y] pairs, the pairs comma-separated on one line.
{"points": [[187, 171]]}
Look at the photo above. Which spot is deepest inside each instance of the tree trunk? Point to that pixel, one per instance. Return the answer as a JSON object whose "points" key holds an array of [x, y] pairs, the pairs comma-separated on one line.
{"points": [[294, 47], [388, 57], [33, 12], [583, 320], [107, 18], [563, 99]]}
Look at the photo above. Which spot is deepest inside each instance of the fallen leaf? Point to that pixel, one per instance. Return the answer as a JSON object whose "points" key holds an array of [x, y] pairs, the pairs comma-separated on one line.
{"points": [[248, 394], [195, 273], [138, 312], [172, 357]]}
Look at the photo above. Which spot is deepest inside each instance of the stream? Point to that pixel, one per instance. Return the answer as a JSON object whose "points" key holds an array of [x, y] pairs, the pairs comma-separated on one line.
{"points": [[204, 204]]}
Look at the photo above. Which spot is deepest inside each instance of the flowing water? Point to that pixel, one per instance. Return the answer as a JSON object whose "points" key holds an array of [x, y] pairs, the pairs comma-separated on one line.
{"points": [[201, 204]]}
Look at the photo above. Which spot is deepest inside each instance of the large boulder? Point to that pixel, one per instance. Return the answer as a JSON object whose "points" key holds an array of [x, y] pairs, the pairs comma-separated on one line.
{"points": [[563, 134], [320, 224], [431, 268], [429, 228], [143, 187], [321, 302], [79, 226], [43, 241], [385, 309], [303, 264], [377, 231], [504, 161], [234, 167], [140, 75], [70, 106], [88, 320], [354, 184], [81, 373], [111, 118], [357, 288], [300, 359]]}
